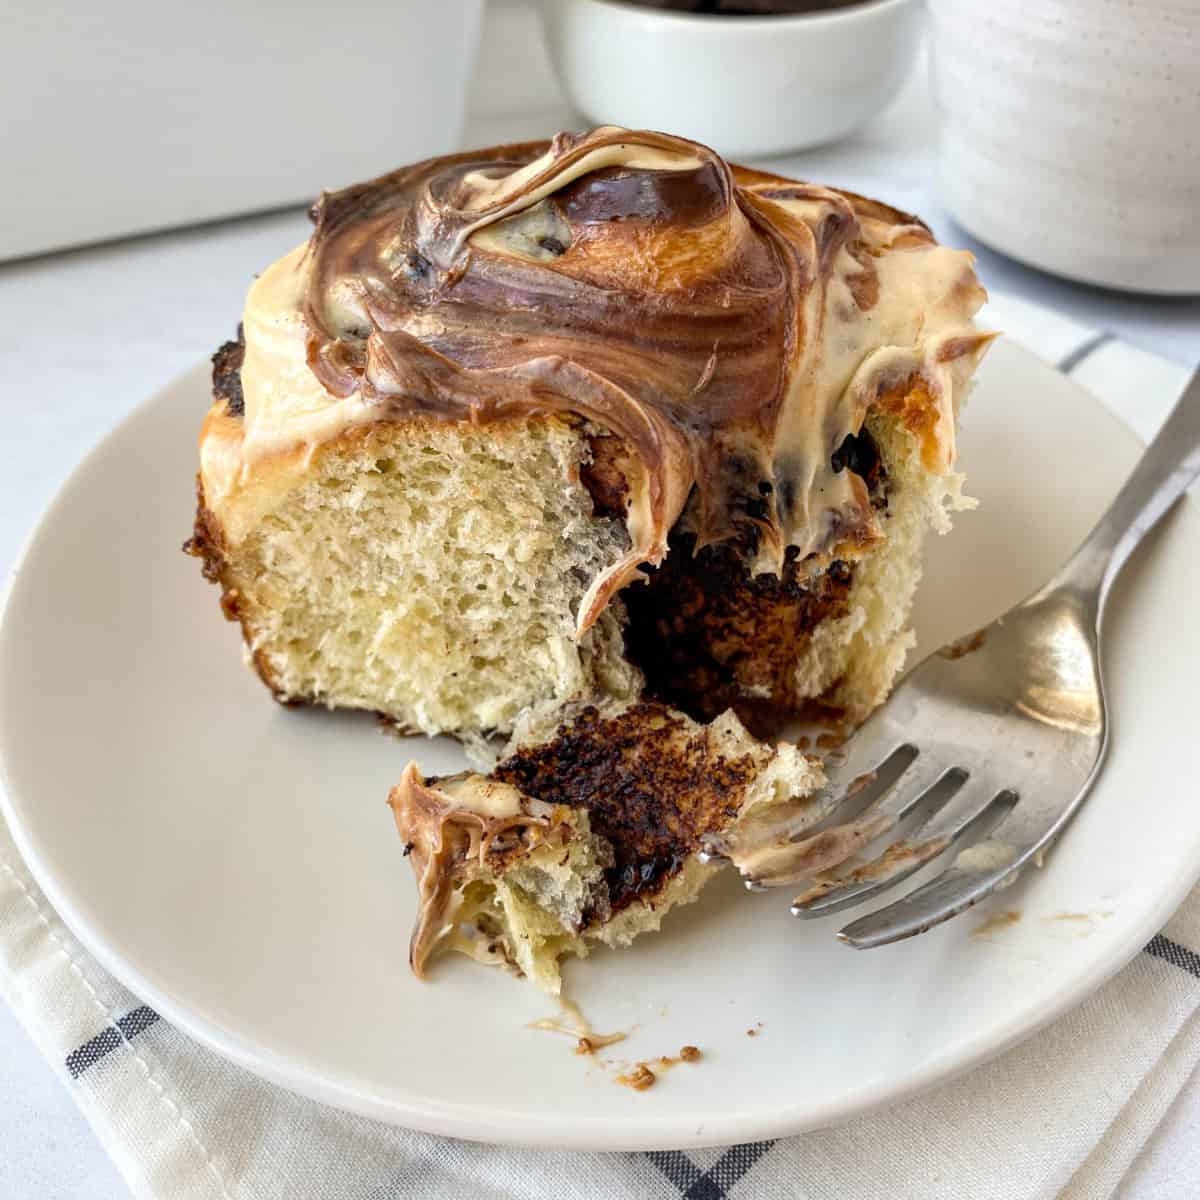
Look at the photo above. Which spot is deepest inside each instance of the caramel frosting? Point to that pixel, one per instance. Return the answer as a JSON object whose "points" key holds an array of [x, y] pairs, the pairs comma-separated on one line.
{"points": [[457, 829], [731, 327]]}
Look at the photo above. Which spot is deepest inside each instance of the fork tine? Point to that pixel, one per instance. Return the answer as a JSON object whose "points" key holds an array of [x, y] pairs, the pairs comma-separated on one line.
{"points": [[832, 843], [976, 809], [946, 895], [952, 892]]}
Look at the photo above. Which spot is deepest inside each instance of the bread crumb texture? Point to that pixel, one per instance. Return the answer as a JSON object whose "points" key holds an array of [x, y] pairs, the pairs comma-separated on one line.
{"points": [[431, 572]]}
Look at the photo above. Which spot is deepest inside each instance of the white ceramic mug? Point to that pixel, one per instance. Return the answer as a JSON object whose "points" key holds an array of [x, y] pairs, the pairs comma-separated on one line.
{"points": [[1071, 134]]}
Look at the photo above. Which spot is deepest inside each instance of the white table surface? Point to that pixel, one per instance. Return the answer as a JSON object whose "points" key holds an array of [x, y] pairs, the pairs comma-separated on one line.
{"points": [[86, 335]]}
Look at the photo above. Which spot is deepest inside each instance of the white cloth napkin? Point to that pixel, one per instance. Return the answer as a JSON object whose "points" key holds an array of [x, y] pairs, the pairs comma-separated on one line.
{"points": [[1064, 1114]]}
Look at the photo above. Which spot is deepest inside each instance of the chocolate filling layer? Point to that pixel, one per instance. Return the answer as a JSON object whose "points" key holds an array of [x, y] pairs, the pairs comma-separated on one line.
{"points": [[710, 635], [651, 796]]}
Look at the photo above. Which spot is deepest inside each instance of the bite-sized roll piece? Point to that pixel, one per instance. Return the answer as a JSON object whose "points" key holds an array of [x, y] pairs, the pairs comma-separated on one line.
{"points": [[586, 832], [599, 417]]}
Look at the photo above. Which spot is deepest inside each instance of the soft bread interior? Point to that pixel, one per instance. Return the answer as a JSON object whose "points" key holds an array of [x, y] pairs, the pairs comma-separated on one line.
{"points": [[431, 572], [851, 662]]}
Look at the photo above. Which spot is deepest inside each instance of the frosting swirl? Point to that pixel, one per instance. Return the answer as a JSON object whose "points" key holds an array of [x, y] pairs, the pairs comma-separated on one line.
{"points": [[732, 327]]}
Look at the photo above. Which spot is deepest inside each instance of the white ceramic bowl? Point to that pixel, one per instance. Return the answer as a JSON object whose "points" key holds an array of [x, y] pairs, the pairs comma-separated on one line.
{"points": [[743, 85], [1071, 134]]}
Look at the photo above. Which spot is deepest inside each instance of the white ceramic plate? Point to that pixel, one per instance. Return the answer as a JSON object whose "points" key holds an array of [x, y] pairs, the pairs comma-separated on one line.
{"points": [[233, 862]]}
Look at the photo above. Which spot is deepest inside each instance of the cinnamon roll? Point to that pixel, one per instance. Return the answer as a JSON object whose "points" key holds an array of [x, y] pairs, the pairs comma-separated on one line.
{"points": [[594, 417], [586, 425]]}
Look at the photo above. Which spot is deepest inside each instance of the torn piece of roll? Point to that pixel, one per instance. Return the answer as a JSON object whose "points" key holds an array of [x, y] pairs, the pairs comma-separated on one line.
{"points": [[587, 832]]}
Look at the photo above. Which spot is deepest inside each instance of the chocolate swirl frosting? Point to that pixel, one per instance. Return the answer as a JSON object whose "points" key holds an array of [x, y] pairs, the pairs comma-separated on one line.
{"points": [[730, 327]]}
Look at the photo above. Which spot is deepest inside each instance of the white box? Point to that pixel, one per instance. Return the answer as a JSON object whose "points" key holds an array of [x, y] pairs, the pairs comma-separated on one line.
{"points": [[129, 115]]}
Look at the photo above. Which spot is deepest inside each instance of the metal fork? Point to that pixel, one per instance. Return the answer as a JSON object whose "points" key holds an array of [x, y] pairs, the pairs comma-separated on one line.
{"points": [[992, 742]]}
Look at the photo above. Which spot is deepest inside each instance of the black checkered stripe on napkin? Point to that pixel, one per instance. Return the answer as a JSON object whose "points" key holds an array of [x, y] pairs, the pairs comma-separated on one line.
{"points": [[717, 1182], [679, 1170]]}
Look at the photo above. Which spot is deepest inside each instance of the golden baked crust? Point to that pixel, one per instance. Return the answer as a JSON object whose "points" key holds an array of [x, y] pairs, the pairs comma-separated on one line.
{"points": [[207, 544]]}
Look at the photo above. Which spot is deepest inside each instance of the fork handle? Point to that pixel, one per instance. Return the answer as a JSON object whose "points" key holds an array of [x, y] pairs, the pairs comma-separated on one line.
{"points": [[1164, 472]]}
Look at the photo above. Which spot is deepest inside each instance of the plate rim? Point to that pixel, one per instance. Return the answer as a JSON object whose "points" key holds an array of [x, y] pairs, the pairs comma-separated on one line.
{"points": [[646, 1131]]}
